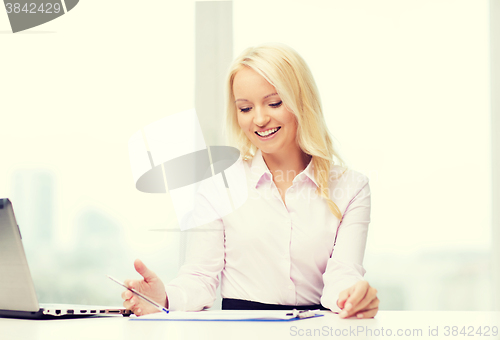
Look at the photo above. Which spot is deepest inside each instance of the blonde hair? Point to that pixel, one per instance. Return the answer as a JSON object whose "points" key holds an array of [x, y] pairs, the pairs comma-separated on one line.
{"points": [[285, 69]]}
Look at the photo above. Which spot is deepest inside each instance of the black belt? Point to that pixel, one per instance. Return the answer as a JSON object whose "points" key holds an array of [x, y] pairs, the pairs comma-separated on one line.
{"points": [[252, 305]]}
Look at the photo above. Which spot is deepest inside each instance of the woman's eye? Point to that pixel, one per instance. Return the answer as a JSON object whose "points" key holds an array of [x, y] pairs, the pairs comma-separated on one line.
{"points": [[276, 104], [245, 109]]}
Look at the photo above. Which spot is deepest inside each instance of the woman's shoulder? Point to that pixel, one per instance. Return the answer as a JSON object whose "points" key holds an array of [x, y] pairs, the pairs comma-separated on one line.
{"points": [[342, 174], [346, 183], [227, 175]]}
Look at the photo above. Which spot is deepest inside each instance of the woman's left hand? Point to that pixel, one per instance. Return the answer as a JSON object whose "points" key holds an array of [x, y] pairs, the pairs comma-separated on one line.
{"points": [[359, 300]]}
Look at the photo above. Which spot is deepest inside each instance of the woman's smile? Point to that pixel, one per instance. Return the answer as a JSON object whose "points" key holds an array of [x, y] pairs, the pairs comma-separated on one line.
{"points": [[267, 134]]}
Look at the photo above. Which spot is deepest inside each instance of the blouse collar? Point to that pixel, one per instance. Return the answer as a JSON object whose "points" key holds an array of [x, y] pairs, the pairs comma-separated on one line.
{"points": [[259, 172]]}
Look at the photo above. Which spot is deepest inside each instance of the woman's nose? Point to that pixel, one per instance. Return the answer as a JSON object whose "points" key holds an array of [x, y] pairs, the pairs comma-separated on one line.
{"points": [[260, 117]]}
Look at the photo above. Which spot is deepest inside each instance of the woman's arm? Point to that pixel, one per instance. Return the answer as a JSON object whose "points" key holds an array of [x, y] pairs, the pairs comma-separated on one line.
{"points": [[345, 267], [195, 286]]}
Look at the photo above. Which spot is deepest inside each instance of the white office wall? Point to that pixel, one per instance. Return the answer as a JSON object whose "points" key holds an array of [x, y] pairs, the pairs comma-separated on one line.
{"points": [[405, 89], [72, 92]]}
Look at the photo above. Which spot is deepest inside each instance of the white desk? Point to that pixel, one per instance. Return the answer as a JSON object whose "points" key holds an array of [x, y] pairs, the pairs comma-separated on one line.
{"points": [[386, 322]]}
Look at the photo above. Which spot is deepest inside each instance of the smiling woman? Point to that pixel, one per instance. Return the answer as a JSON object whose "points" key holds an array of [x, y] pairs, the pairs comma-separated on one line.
{"points": [[268, 124], [279, 70], [261, 116], [298, 240]]}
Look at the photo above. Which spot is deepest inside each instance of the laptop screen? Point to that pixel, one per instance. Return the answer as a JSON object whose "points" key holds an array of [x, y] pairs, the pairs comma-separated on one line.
{"points": [[17, 291]]}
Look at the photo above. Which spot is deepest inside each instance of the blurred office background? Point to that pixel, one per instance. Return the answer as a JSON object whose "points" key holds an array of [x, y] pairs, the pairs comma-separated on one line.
{"points": [[405, 87]]}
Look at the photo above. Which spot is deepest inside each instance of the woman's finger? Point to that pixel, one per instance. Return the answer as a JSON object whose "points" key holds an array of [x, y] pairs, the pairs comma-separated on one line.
{"points": [[145, 272], [130, 283], [367, 313], [359, 292], [370, 296], [128, 305], [127, 295], [343, 296], [135, 306], [373, 305]]}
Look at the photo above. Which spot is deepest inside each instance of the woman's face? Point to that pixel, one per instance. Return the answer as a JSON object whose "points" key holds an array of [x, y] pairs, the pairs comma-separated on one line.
{"points": [[262, 115]]}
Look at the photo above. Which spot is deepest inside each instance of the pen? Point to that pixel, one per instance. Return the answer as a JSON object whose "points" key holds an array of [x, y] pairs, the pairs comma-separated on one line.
{"points": [[161, 308]]}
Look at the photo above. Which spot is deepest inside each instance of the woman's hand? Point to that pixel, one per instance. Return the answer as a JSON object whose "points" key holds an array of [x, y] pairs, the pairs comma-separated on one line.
{"points": [[151, 286], [360, 300]]}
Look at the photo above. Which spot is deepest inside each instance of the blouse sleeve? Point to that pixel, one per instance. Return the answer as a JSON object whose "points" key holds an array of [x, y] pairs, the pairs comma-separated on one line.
{"points": [[195, 286], [345, 266]]}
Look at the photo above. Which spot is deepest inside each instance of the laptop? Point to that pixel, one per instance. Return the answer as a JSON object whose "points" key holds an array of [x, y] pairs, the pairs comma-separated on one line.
{"points": [[17, 291]]}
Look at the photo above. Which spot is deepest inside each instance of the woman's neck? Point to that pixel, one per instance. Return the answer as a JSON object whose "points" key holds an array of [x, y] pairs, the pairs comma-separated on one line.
{"points": [[286, 165]]}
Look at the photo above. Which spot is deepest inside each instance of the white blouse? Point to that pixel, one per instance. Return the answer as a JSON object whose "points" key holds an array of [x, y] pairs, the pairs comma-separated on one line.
{"points": [[270, 252]]}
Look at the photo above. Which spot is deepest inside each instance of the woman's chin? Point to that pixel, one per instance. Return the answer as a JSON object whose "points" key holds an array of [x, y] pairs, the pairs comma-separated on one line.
{"points": [[269, 150], [272, 146]]}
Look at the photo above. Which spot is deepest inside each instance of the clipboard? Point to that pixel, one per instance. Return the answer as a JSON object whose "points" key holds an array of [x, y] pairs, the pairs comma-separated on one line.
{"points": [[236, 315]]}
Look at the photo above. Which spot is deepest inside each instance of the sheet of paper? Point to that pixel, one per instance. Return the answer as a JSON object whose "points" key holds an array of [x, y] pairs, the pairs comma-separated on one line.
{"points": [[221, 316]]}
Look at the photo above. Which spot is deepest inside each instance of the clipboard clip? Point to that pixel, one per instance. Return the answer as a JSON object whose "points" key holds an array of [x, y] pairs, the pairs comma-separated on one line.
{"points": [[303, 314]]}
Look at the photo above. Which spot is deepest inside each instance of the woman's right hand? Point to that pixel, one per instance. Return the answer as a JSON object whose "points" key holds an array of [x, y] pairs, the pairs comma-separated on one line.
{"points": [[150, 286]]}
